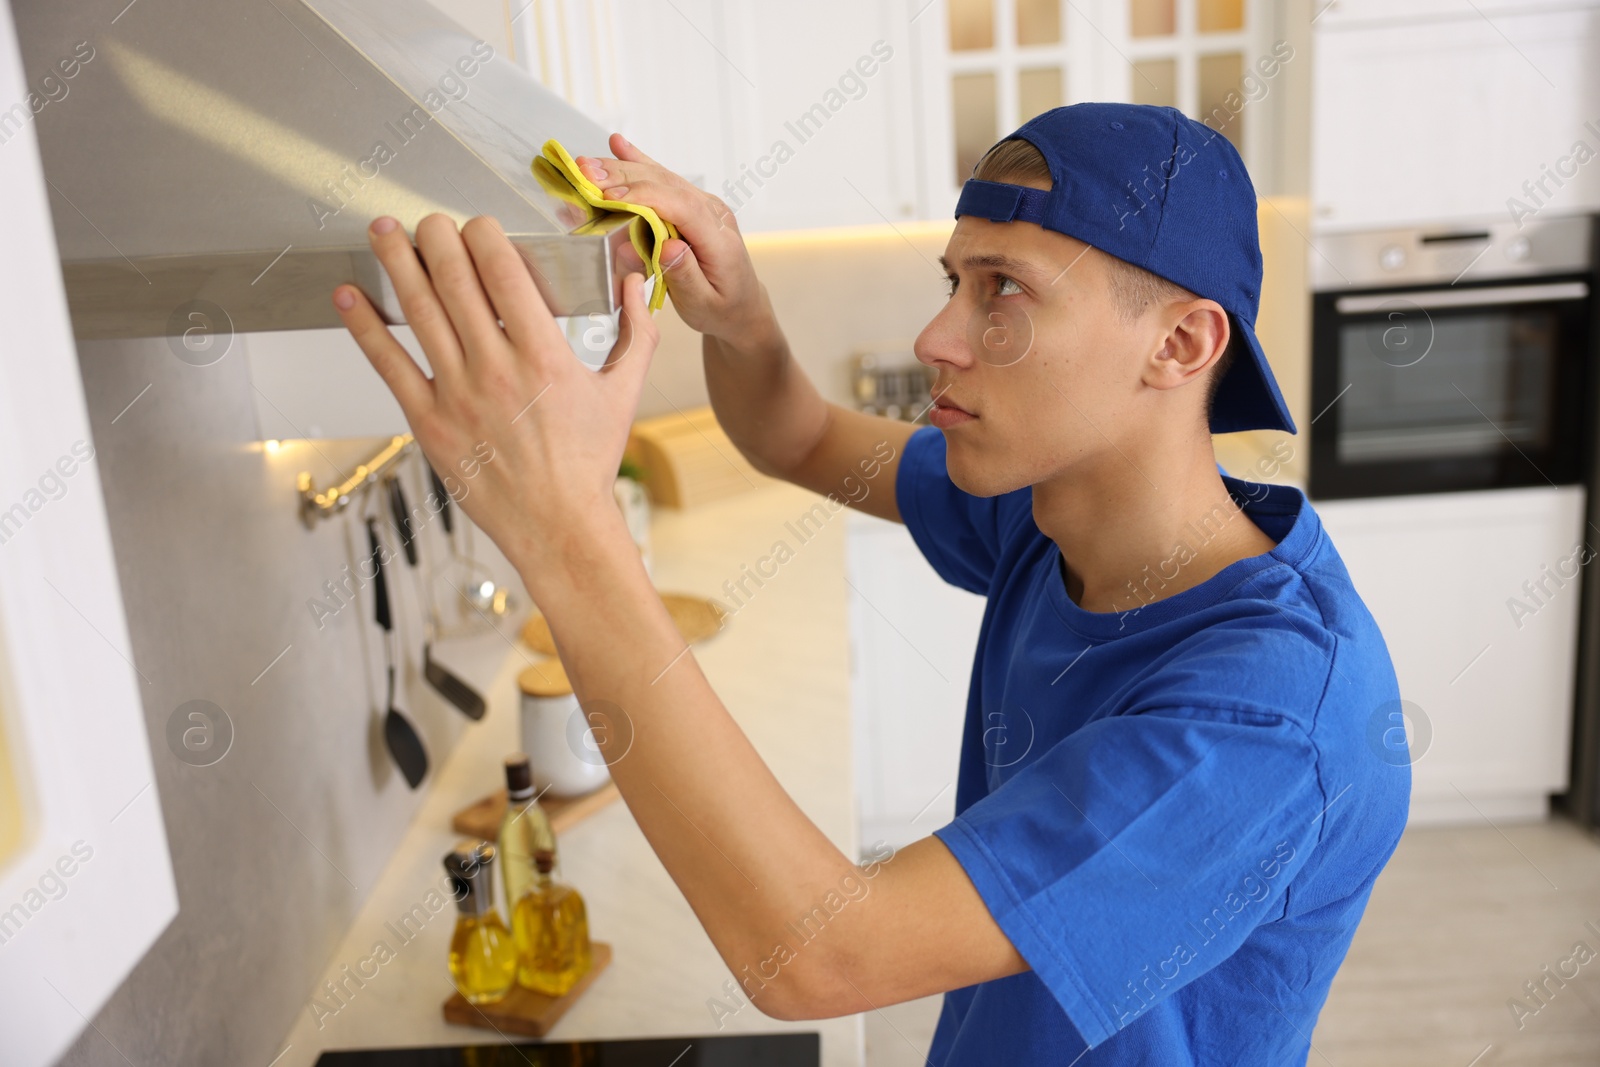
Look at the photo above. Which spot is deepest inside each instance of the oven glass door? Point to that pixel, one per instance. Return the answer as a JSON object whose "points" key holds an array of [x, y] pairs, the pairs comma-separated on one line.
{"points": [[1445, 389]]}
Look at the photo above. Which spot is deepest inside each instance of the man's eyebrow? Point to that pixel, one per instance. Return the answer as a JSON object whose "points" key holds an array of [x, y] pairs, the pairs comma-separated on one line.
{"points": [[996, 261]]}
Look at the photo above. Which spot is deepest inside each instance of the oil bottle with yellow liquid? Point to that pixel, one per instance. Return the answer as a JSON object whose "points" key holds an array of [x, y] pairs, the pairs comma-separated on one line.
{"points": [[551, 928], [483, 954]]}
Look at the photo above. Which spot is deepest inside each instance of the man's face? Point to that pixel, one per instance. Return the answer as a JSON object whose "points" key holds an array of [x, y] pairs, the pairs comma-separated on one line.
{"points": [[1031, 345]]}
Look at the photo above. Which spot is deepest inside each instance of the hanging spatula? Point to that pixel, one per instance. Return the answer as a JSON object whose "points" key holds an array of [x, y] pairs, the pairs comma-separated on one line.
{"points": [[461, 696], [404, 744]]}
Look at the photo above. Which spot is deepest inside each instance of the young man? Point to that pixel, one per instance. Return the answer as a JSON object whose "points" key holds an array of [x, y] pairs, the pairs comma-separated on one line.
{"points": [[1172, 872]]}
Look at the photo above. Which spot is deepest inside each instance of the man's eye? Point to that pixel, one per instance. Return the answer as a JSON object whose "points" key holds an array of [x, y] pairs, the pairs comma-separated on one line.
{"points": [[949, 285], [1001, 281]]}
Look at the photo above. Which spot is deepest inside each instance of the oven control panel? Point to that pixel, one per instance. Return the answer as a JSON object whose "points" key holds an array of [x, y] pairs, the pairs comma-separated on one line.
{"points": [[1450, 254]]}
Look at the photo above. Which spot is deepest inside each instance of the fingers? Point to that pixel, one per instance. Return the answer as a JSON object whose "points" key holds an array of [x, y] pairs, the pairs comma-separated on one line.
{"points": [[411, 388], [641, 180], [418, 301], [616, 178], [685, 281], [673, 253], [617, 170], [510, 288], [455, 280], [637, 335]]}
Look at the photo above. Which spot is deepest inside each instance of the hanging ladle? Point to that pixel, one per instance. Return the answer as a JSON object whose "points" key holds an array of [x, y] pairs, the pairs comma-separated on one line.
{"points": [[461, 696], [481, 594], [405, 746]]}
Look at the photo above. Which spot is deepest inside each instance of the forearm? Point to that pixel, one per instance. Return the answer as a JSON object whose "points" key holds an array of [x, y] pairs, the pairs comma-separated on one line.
{"points": [[763, 398], [745, 856]]}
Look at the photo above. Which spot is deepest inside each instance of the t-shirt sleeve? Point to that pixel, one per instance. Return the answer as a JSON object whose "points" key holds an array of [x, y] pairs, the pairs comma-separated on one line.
{"points": [[1139, 852], [960, 534]]}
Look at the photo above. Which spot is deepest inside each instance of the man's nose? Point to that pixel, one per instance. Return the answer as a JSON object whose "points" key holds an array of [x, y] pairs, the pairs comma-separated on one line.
{"points": [[944, 339]]}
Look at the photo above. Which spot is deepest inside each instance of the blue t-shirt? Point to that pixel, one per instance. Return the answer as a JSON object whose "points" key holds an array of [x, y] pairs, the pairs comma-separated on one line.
{"points": [[1175, 812]]}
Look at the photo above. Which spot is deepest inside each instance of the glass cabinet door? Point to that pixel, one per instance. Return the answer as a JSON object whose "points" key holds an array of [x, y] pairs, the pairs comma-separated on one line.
{"points": [[1006, 61]]}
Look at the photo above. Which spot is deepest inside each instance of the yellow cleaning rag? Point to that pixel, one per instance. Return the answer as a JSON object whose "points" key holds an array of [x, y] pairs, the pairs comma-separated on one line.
{"points": [[559, 174]]}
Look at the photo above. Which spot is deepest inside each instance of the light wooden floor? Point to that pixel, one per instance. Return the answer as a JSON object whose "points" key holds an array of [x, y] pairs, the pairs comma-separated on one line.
{"points": [[1458, 921]]}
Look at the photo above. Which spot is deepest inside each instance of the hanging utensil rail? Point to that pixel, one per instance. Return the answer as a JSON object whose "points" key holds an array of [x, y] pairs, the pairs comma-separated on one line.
{"points": [[315, 505]]}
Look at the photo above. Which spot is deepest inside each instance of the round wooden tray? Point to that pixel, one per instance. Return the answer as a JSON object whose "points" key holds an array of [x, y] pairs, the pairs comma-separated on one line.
{"points": [[696, 617]]}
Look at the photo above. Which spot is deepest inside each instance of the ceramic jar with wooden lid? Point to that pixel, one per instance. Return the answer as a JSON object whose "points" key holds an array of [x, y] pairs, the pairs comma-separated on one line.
{"points": [[556, 735]]}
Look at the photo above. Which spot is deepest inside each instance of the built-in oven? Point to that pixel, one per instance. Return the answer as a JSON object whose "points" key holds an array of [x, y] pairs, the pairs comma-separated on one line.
{"points": [[1450, 360]]}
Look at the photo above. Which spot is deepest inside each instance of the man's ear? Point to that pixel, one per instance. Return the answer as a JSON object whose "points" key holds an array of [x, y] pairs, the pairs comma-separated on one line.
{"points": [[1196, 339]]}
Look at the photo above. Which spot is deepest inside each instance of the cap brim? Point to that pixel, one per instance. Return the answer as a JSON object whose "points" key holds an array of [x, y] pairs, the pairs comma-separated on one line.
{"points": [[1248, 397]]}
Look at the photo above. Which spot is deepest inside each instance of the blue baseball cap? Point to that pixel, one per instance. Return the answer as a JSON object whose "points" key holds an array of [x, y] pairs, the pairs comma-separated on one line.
{"points": [[1161, 191]]}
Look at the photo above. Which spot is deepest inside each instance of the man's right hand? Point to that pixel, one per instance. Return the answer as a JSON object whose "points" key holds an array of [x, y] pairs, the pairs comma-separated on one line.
{"points": [[709, 275]]}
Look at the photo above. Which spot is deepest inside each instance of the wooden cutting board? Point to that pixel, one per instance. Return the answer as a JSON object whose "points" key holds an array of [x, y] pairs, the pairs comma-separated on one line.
{"points": [[482, 819], [523, 1011]]}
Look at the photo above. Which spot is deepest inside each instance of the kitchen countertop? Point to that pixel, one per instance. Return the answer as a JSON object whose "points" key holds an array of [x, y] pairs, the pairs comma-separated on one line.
{"points": [[781, 664]]}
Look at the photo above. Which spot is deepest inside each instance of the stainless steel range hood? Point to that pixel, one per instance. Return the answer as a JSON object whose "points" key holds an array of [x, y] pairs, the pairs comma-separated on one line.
{"points": [[233, 152]]}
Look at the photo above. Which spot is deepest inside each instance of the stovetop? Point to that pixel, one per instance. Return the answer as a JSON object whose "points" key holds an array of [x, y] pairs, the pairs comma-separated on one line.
{"points": [[751, 1050]]}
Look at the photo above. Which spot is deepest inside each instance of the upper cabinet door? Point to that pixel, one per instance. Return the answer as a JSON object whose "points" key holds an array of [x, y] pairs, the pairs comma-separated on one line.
{"points": [[1419, 118], [991, 65], [797, 115], [85, 879], [987, 67]]}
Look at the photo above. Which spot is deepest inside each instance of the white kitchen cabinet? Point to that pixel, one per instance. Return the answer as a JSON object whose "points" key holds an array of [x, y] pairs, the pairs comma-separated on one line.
{"points": [[1330, 14], [1477, 597], [1428, 112], [85, 877], [912, 639], [986, 66], [798, 116]]}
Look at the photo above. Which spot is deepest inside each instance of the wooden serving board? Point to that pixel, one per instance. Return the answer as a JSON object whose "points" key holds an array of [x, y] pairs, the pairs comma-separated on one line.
{"points": [[483, 818], [523, 1011], [696, 618]]}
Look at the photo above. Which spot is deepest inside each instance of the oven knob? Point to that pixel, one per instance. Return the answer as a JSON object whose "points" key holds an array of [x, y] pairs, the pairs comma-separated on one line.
{"points": [[1517, 249], [1392, 257]]}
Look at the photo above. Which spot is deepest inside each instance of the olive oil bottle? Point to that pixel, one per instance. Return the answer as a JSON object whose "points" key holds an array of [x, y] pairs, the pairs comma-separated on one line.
{"points": [[552, 933], [524, 832], [483, 954]]}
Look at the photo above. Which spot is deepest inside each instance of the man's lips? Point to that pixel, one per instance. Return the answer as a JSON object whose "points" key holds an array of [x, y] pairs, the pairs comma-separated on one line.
{"points": [[946, 412], [942, 398]]}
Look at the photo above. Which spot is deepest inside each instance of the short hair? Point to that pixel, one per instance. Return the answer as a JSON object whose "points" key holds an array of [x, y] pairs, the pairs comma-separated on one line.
{"points": [[1133, 289]]}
